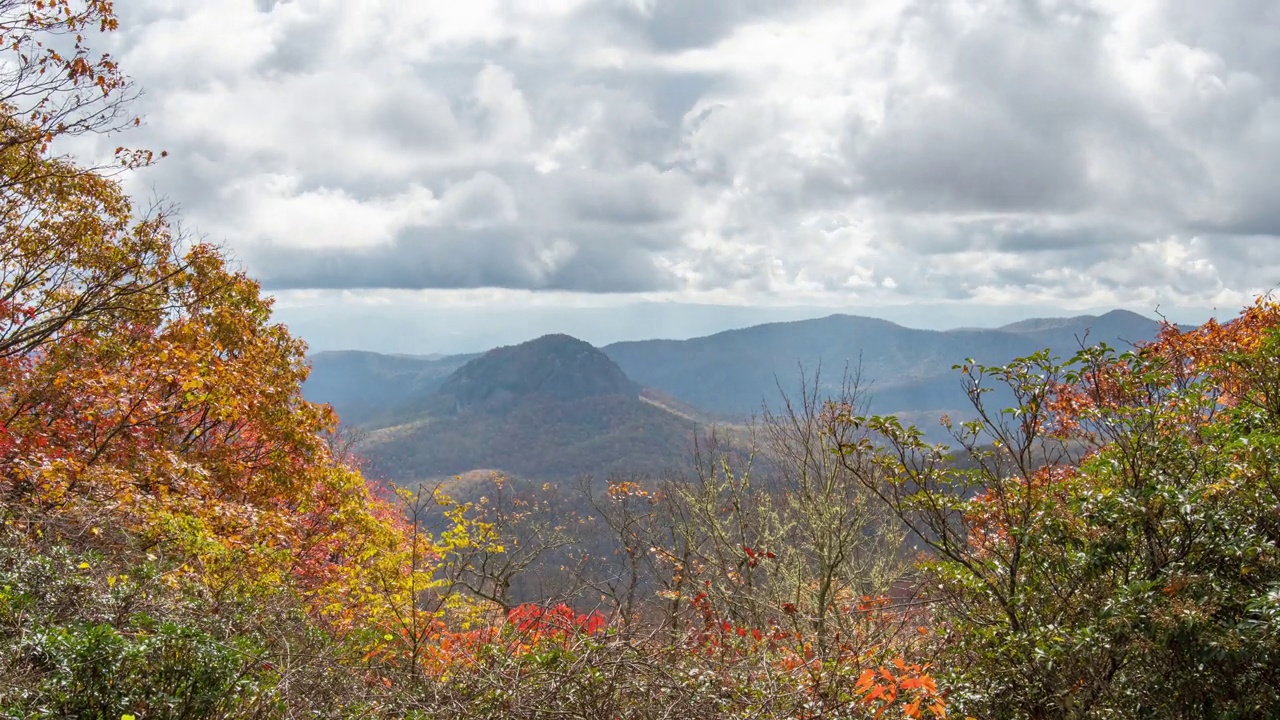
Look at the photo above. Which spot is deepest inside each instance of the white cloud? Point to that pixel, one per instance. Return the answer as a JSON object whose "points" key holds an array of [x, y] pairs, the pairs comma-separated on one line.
{"points": [[1069, 152], [275, 208]]}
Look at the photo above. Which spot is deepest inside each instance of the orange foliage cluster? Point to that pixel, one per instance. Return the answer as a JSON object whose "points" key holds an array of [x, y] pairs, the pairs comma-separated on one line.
{"points": [[883, 688], [527, 629], [906, 686], [989, 516], [147, 391], [1203, 358], [531, 629]]}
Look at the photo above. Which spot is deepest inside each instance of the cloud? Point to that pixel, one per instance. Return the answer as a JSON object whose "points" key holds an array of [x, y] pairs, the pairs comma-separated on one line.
{"points": [[1016, 152], [451, 258], [640, 195]]}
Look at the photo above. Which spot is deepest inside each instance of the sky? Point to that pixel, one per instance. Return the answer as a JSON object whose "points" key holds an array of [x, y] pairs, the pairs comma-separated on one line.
{"points": [[438, 176]]}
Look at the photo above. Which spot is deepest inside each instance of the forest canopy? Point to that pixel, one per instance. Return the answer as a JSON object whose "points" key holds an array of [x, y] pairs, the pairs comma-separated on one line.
{"points": [[183, 536]]}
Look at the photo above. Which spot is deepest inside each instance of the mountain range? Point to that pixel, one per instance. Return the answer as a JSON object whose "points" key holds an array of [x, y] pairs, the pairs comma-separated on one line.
{"points": [[551, 408], [904, 370], [557, 407]]}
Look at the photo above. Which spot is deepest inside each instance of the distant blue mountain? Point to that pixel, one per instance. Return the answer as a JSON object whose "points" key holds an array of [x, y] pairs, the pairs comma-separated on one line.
{"points": [[557, 406]]}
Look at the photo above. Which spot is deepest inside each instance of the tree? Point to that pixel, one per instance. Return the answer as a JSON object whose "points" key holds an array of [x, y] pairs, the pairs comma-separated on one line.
{"points": [[69, 257], [145, 386], [55, 85], [778, 544], [491, 544], [1106, 546], [840, 544]]}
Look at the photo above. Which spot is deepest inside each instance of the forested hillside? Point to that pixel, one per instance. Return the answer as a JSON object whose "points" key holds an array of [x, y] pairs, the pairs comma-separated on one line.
{"points": [[730, 375], [905, 370], [183, 536], [554, 408], [722, 379], [368, 388]]}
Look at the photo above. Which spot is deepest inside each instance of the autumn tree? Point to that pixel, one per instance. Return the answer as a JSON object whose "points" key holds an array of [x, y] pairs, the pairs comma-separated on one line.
{"points": [[54, 85], [182, 535], [67, 253], [839, 544], [768, 544], [151, 419], [1107, 546], [491, 546]]}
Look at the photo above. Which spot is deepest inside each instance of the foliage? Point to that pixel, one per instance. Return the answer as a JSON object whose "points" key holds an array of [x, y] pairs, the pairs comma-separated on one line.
{"points": [[80, 640], [183, 535], [1107, 548], [54, 85], [168, 672], [150, 413]]}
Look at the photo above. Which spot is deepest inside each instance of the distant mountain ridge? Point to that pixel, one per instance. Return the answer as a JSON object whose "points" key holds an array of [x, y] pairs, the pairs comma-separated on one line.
{"points": [[559, 406], [364, 386], [1033, 325], [551, 408], [1112, 328], [906, 370]]}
